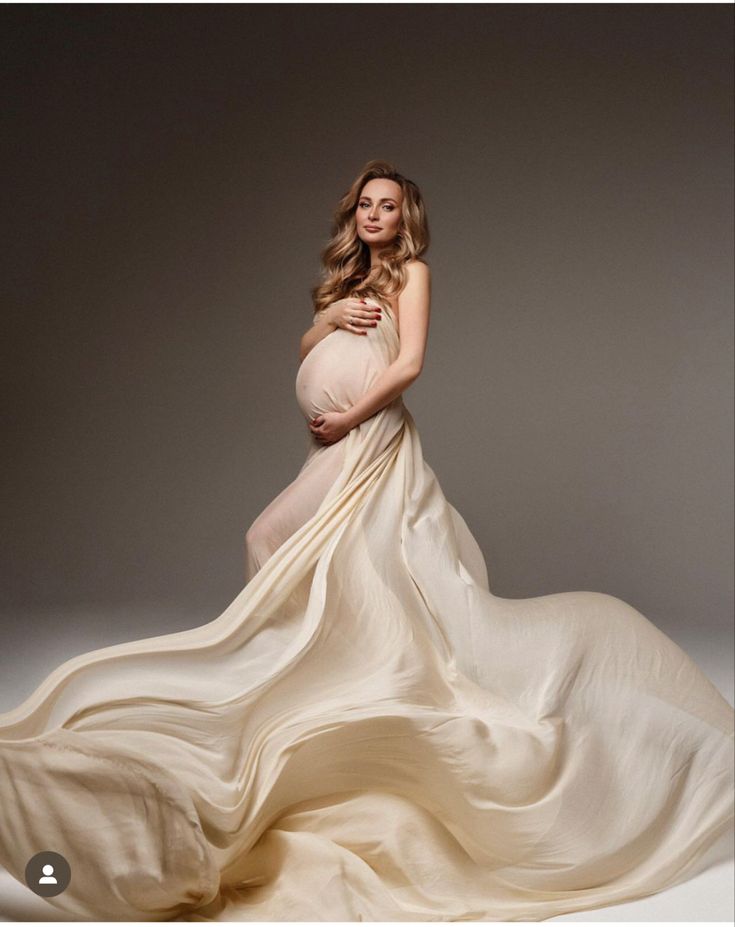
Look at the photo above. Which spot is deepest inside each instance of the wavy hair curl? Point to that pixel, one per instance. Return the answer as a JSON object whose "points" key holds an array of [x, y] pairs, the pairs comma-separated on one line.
{"points": [[346, 258]]}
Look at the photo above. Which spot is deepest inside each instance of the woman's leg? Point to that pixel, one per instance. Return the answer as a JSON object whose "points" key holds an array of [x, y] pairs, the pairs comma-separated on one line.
{"points": [[293, 506]]}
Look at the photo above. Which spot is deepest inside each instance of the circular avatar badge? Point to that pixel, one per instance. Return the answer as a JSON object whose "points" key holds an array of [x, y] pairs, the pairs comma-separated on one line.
{"points": [[47, 873]]}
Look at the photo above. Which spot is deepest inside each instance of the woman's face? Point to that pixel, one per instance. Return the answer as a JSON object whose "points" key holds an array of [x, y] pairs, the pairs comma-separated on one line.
{"points": [[379, 207]]}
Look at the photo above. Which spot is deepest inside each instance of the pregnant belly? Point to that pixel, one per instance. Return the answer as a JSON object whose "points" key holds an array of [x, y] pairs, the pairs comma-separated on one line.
{"points": [[337, 371]]}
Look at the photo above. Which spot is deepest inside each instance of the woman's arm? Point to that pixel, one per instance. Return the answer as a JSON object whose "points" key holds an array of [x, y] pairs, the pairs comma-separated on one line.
{"points": [[413, 313], [320, 329]]}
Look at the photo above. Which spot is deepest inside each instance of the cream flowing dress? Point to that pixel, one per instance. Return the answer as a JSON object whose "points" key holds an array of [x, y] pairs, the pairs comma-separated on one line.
{"points": [[367, 732]]}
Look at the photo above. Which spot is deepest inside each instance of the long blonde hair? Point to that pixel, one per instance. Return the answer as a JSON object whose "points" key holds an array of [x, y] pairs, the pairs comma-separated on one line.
{"points": [[346, 258]]}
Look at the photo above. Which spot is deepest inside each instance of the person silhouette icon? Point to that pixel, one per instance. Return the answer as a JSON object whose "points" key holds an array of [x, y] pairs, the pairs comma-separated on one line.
{"points": [[48, 877], [48, 873]]}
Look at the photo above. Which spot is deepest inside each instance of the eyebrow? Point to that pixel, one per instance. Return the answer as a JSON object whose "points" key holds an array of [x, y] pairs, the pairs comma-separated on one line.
{"points": [[382, 200]]}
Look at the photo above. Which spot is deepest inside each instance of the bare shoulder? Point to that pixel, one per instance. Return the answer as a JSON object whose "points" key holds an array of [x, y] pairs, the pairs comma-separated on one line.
{"points": [[418, 270], [418, 276], [418, 281], [417, 286]]}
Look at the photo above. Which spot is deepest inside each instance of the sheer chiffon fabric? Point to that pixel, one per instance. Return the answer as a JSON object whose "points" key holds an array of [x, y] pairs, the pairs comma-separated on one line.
{"points": [[367, 732]]}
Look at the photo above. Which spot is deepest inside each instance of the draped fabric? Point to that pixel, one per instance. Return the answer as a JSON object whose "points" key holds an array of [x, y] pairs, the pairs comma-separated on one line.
{"points": [[367, 732]]}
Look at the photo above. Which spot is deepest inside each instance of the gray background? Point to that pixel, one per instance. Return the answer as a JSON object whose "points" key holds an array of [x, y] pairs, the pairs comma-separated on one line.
{"points": [[170, 174]]}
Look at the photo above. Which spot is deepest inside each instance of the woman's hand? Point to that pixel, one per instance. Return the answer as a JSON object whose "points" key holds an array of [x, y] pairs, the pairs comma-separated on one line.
{"points": [[330, 427], [354, 315]]}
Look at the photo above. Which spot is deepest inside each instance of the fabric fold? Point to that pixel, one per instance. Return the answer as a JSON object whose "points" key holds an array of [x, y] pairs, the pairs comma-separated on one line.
{"points": [[367, 732]]}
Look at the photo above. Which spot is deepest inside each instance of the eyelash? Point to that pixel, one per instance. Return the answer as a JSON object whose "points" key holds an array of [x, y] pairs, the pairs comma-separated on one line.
{"points": [[363, 203]]}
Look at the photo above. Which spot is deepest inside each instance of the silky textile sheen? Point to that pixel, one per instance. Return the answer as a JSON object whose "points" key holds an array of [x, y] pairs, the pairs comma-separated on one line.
{"points": [[367, 732]]}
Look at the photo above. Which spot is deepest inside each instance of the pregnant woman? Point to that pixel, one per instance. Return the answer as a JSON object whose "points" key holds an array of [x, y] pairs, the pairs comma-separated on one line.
{"points": [[367, 732]]}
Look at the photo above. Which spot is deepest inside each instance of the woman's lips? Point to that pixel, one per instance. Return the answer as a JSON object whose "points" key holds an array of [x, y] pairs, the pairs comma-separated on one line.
{"points": [[372, 228]]}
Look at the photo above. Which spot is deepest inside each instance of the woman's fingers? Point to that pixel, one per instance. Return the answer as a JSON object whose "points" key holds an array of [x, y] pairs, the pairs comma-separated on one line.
{"points": [[363, 317]]}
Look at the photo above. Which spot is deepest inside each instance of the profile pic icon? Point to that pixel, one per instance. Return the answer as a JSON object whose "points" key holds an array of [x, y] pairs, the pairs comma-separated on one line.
{"points": [[47, 873]]}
